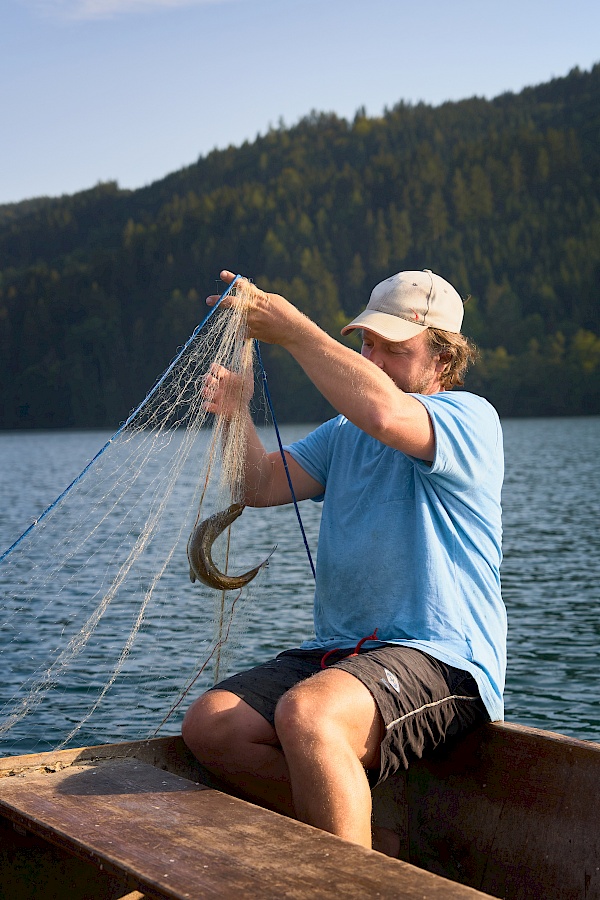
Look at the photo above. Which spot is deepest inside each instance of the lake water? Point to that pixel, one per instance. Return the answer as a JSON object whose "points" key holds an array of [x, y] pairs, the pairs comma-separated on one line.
{"points": [[551, 578]]}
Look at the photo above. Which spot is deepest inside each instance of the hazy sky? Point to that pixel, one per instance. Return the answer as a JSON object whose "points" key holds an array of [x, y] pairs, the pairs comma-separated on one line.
{"points": [[130, 90]]}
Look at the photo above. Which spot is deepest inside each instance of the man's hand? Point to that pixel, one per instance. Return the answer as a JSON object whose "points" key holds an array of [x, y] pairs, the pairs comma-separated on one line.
{"points": [[265, 481], [225, 393], [270, 317]]}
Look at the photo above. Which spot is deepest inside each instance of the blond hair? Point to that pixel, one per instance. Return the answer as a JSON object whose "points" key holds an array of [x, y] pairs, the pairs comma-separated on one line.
{"points": [[460, 353]]}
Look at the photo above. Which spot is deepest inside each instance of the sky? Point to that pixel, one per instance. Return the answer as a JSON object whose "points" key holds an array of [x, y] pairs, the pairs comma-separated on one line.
{"points": [[131, 90]]}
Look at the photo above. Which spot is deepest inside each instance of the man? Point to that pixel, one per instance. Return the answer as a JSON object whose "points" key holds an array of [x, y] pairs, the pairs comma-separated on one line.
{"points": [[410, 475]]}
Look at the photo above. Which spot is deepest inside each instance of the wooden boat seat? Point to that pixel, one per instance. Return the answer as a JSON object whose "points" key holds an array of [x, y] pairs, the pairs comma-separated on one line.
{"points": [[161, 835]]}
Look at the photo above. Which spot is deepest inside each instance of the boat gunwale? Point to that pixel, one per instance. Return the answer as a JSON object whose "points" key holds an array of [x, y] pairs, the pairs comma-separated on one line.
{"points": [[170, 750]]}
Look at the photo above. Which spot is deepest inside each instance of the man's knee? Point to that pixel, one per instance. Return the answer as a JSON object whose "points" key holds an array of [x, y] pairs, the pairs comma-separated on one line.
{"points": [[219, 725], [331, 710], [300, 715], [208, 725]]}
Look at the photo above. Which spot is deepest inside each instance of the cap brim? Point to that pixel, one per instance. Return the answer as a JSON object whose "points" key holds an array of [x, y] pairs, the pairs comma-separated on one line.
{"points": [[392, 328]]}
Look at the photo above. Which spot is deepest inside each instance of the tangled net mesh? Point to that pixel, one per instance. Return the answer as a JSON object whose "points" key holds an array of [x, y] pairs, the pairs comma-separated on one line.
{"points": [[85, 593]]}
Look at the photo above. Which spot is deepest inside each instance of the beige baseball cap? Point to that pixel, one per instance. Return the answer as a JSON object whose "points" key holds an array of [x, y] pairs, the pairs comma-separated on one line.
{"points": [[405, 304]]}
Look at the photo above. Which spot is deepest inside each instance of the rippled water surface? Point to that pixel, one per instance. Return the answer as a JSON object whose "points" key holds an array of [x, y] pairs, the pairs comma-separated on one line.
{"points": [[551, 576]]}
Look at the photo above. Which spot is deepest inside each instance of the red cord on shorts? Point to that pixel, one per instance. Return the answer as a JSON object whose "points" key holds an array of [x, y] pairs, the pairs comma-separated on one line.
{"points": [[355, 652]]}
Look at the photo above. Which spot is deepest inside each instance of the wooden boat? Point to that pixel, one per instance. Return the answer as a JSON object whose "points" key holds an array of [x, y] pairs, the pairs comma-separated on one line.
{"points": [[509, 812]]}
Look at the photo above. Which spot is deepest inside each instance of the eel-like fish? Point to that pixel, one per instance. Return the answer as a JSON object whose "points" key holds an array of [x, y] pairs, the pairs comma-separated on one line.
{"points": [[199, 548]]}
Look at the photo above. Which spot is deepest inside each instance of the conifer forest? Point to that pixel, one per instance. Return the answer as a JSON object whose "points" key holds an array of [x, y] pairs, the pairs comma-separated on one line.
{"points": [[501, 197]]}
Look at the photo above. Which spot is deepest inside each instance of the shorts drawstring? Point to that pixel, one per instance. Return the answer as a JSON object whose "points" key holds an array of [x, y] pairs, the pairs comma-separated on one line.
{"points": [[355, 652]]}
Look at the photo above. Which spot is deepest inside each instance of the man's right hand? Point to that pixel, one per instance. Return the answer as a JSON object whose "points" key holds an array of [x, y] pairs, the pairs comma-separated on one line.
{"points": [[226, 393]]}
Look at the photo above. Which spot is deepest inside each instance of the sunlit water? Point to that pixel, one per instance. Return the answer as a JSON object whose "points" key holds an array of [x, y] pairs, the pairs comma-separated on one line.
{"points": [[551, 576]]}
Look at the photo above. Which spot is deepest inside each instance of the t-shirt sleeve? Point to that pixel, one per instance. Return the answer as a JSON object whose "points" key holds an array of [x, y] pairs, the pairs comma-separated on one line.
{"points": [[313, 452], [468, 438]]}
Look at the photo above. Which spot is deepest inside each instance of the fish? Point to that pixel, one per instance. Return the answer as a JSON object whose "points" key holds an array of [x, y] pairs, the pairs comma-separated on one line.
{"points": [[199, 549]]}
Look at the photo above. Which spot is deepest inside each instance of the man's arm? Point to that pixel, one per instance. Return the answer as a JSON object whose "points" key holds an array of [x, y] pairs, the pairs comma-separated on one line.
{"points": [[265, 479], [354, 386]]}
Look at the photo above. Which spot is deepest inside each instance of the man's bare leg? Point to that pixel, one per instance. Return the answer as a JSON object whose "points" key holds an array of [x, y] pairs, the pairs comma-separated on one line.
{"points": [[330, 731], [238, 745]]}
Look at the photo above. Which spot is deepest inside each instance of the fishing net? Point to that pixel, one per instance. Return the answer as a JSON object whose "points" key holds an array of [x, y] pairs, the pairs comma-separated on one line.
{"points": [[87, 591]]}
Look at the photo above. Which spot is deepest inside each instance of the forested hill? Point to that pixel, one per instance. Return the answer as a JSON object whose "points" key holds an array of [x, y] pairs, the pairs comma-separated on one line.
{"points": [[502, 197]]}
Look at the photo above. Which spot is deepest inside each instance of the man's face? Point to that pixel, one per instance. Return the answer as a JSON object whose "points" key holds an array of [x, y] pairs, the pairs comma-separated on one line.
{"points": [[409, 364]]}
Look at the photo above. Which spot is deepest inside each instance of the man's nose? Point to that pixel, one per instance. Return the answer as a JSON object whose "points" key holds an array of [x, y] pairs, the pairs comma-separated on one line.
{"points": [[371, 353], [375, 357]]}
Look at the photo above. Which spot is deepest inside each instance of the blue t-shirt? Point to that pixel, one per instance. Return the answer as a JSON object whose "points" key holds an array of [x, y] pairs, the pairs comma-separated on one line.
{"points": [[414, 549]]}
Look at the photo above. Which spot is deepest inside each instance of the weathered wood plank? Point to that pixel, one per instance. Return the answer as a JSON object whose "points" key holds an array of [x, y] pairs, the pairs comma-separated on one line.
{"points": [[169, 753], [182, 840]]}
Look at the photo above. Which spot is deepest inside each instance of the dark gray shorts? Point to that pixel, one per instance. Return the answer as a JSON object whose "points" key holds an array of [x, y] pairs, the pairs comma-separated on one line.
{"points": [[423, 702]]}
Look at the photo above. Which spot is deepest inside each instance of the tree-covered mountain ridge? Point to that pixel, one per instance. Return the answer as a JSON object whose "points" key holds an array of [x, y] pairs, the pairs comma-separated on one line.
{"points": [[501, 197]]}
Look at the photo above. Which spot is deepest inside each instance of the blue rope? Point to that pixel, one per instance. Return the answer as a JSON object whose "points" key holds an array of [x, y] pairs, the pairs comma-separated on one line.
{"points": [[281, 451], [148, 396]]}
